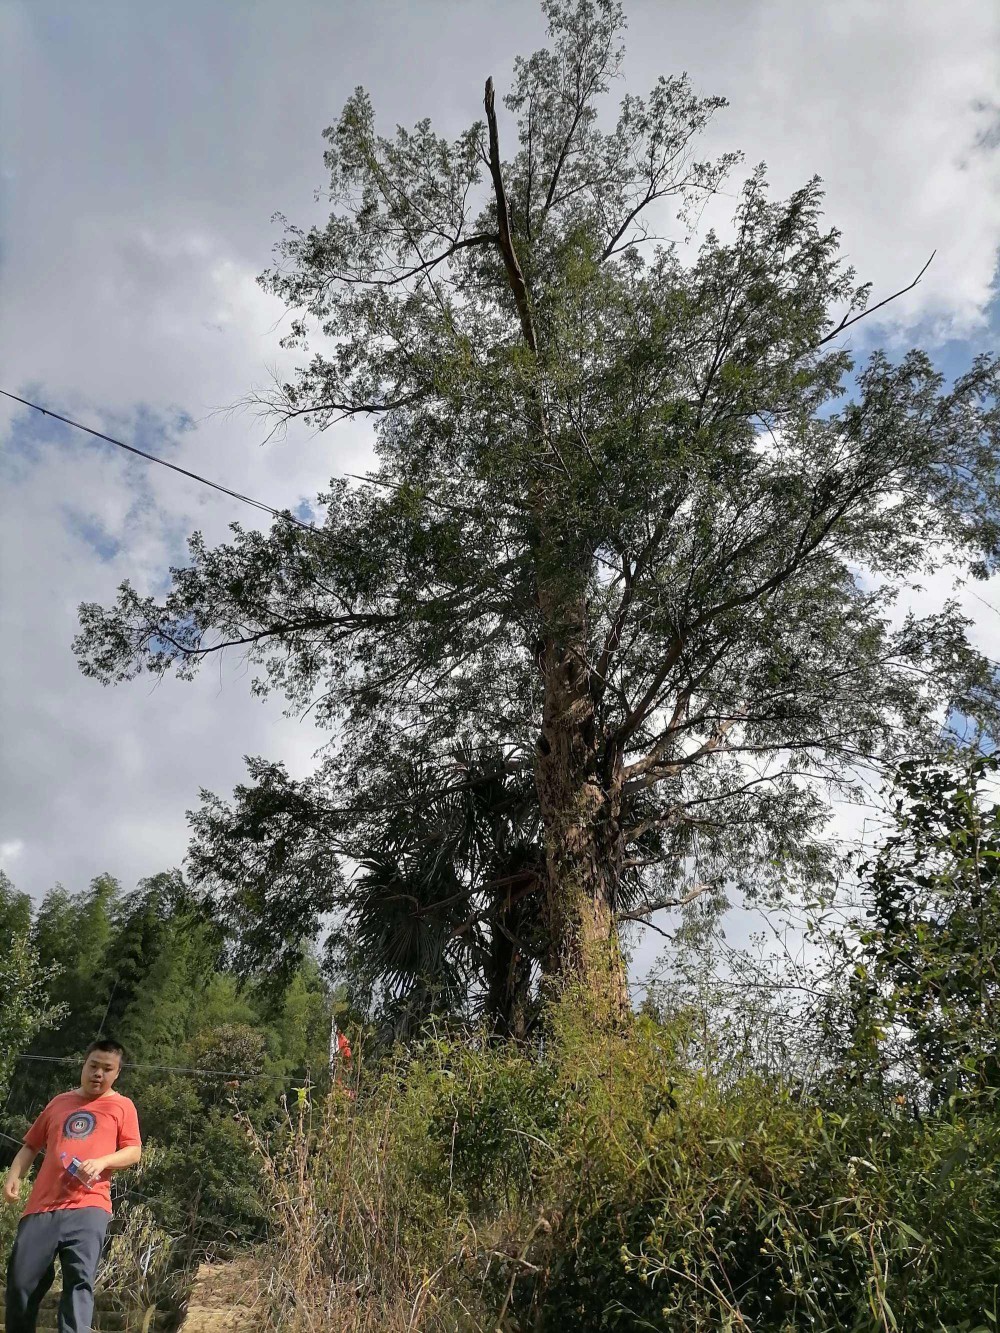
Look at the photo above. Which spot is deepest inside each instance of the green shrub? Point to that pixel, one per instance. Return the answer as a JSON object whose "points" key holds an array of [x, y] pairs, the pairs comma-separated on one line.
{"points": [[604, 1185]]}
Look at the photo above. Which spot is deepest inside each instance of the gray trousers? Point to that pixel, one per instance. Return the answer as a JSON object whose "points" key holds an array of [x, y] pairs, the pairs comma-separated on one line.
{"points": [[76, 1237]]}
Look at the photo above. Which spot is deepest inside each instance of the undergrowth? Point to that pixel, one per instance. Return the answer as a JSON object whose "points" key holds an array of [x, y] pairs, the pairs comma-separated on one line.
{"points": [[604, 1183]]}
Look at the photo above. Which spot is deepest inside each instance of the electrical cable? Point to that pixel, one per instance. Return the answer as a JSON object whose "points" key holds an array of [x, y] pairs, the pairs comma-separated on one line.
{"points": [[168, 1069], [284, 514]]}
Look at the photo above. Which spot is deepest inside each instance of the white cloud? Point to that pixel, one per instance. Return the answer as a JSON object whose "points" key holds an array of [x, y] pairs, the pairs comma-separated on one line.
{"points": [[894, 103], [9, 852]]}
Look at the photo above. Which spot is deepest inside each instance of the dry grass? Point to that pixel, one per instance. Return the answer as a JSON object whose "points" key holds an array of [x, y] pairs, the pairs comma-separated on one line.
{"points": [[350, 1251], [602, 1185]]}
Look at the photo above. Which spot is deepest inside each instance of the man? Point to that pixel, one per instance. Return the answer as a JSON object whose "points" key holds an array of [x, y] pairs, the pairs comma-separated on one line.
{"points": [[87, 1135]]}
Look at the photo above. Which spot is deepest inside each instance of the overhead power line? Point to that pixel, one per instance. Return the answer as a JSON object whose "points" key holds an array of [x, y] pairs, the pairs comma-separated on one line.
{"points": [[169, 1069], [163, 462], [284, 514]]}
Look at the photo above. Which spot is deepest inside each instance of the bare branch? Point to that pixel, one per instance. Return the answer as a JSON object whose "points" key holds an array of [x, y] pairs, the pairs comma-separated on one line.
{"points": [[846, 323], [346, 409], [563, 153], [515, 274], [416, 270], [630, 217], [646, 909], [646, 772]]}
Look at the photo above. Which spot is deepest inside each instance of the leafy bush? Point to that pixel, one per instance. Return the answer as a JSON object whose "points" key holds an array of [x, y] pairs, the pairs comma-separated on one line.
{"points": [[607, 1185]]}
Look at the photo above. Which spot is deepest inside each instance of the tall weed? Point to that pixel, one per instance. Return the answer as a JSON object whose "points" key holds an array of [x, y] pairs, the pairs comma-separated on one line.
{"points": [[604, 1183]]}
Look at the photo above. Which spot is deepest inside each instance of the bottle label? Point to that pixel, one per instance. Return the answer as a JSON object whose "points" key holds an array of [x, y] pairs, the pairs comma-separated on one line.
{"points": [[72, 1166]]}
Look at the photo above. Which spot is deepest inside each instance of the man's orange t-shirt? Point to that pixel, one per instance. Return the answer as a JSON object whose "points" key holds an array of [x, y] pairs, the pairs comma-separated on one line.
{"points": [[83, 1127]]}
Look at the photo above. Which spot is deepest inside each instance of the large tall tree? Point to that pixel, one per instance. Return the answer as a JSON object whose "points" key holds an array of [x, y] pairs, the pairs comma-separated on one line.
{"points": [[638, 525]]}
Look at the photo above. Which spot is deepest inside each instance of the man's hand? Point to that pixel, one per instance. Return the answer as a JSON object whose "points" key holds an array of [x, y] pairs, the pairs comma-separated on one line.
{"points": [[92, 1169], [19, 1168]]}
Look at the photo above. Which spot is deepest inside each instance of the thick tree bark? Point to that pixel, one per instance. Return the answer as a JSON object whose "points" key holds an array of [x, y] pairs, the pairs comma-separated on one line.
{"points": [[583, 836]]}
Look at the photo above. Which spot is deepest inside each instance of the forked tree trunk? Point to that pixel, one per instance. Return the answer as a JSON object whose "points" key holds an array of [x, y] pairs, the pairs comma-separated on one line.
{"points": [[583, 840]]}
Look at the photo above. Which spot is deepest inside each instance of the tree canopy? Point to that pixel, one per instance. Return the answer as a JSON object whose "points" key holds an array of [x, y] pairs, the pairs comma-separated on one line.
{"points": [[25, 1009], [638, 530]]}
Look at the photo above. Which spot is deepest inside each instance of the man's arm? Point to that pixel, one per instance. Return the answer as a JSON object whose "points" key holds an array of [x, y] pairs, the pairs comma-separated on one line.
{"points": [[19, 1168], [95, 1167]]}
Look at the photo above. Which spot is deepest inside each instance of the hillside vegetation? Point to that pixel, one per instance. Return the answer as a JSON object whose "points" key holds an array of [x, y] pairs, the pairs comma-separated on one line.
{"points": [[762, 1146]]}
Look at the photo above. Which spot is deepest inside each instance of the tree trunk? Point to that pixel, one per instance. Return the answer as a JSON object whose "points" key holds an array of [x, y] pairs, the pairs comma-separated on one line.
{"points": [[583, 839], [508, 979]]}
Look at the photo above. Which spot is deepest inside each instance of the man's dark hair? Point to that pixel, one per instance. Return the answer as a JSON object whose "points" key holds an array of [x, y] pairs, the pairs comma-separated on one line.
{"points": [[107, 1045]]}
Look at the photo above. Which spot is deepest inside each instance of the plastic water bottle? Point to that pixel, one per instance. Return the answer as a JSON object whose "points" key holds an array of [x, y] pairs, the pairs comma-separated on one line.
{"points": [[72, 1165]]}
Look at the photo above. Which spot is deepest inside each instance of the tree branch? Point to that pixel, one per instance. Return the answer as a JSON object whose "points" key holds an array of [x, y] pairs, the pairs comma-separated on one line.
{"points": [[646, 772], [846, 323], [345, 409], [197, 651], [629, 578], [515, 274], [425, 266], [561, 160], [488, 910], [646, 703], [676, 813], [630, 217], [647, 909]]}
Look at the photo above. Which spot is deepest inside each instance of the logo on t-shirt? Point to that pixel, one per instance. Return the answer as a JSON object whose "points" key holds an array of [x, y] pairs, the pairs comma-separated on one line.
{"points": [[79, 1125]]}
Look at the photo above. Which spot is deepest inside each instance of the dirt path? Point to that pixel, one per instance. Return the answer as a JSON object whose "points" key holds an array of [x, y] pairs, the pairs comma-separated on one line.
{"points": [[221, 1300]]}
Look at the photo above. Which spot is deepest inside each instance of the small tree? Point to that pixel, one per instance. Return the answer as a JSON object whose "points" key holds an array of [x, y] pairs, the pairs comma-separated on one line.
{"points": [[623, 503], [441, 915], [929, 969]]}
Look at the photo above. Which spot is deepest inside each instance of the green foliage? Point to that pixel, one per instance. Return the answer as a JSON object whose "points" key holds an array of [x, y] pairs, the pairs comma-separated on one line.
{"points": [[927, 969], [446, 872], [145, 1261], [636, 523], [15, 910], [612, 1185], [149, 967], [9, 1218], [25, 984]]}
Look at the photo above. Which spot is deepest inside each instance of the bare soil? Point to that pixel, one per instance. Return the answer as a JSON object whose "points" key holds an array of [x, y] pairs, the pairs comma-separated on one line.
{"points": [[222, 1299]]}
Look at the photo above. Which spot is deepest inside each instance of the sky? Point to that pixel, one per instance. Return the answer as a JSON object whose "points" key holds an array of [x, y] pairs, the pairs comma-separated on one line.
{"points": [[144, 150]]}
